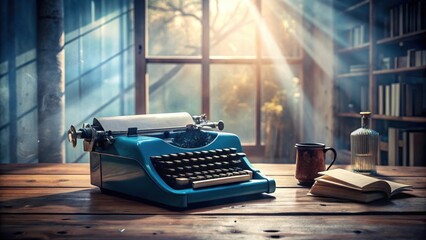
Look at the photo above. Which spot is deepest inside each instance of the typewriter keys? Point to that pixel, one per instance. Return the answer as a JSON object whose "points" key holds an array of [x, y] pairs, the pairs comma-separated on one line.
{"points": [[204, 169]]}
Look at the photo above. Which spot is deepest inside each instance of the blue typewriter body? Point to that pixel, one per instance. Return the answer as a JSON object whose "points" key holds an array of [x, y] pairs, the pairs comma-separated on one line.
{"points": [[125, 166]]}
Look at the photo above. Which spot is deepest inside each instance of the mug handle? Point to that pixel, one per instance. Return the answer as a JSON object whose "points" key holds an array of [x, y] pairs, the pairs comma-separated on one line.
{"points": [[335, 155]]}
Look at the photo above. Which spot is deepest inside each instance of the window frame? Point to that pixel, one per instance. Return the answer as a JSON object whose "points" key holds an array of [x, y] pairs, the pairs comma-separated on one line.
{"points": [[205, 60]]}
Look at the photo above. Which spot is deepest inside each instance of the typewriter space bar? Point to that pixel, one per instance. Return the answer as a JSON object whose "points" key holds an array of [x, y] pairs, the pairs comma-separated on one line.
{"points": [[223, 180]]}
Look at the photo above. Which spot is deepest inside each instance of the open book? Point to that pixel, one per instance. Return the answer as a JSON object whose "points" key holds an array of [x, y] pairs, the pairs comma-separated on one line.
{"points": [[340, 183]]}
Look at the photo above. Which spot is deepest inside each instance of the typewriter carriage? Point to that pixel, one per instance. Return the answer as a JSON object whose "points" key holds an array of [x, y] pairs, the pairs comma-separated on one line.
{"points": [[104, 130]]}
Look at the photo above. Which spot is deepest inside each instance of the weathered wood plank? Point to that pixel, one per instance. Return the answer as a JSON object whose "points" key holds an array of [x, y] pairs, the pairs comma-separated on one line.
{"points": [[289, 170], [268, 169], [74, 181], [207, 227], [290, 181], [83, 181], [283, 201], [45, 168]]}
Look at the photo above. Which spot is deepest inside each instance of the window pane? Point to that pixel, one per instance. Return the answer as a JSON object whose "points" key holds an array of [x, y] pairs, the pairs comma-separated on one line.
{"points": [[174, 28], [282, 29], [232, 28], [174, 88], [99, 59], [100, 90], [111, 35], [280, 109], [232, 99]]}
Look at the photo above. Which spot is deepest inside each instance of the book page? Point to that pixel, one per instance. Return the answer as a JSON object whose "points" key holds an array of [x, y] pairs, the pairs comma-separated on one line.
{"points": [[336, 182], [364, 183], [397, 187], [355, 179]]}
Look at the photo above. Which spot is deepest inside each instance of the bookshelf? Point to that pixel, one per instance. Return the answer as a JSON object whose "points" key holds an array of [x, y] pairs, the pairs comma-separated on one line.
{"points": [[399, 70], [380, 66]]}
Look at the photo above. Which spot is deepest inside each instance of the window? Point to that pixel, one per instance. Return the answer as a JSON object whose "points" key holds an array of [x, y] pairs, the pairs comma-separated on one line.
{"points": [[99, 63], [238, 61]]}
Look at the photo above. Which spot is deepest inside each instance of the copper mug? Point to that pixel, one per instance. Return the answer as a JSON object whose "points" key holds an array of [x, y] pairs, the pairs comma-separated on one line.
{"points": [[310, 159]]}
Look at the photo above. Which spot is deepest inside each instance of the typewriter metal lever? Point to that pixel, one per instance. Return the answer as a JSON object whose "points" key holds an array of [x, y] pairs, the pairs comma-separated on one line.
{"points": [[86, 133], [89, 134], [201, 121]]}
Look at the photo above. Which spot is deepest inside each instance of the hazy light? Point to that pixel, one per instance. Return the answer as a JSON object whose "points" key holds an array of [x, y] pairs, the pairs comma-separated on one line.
{"points": [[320, 50], [272, 48]]}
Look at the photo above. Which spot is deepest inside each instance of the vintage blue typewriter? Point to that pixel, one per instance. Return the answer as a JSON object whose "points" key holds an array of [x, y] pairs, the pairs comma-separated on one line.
{"points": [[173, 159]]}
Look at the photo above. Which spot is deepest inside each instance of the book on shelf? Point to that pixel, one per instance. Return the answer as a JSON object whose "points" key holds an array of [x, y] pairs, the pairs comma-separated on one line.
{"points": [[394, 153], [381, 99], [387, 100], [406, 146], [416, 57], [391, 23], [402, 99], [413, 58], [400, 62], [358, 68], [405, 18], [357, 35], [409, 103], [344, 184], [396, 99], [400, 20]]}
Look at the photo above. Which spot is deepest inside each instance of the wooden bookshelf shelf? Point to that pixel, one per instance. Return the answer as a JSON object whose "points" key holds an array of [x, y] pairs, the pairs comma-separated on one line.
{"points": [[349, 75], [361, 47], [399, 70], [348, 115], [411, 36], [356, 6], [394, 118]]}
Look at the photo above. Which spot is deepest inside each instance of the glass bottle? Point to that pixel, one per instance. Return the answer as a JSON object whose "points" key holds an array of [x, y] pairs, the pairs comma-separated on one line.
{"points": [[364, 147]]}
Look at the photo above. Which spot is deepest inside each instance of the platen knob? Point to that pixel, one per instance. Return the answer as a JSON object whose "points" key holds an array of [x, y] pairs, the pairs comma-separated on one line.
{"points": [[72, 136], [220, 125]]}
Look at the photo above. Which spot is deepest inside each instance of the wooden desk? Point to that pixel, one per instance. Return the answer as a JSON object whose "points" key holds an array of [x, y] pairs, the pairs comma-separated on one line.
{"points": [[57, 201]]}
